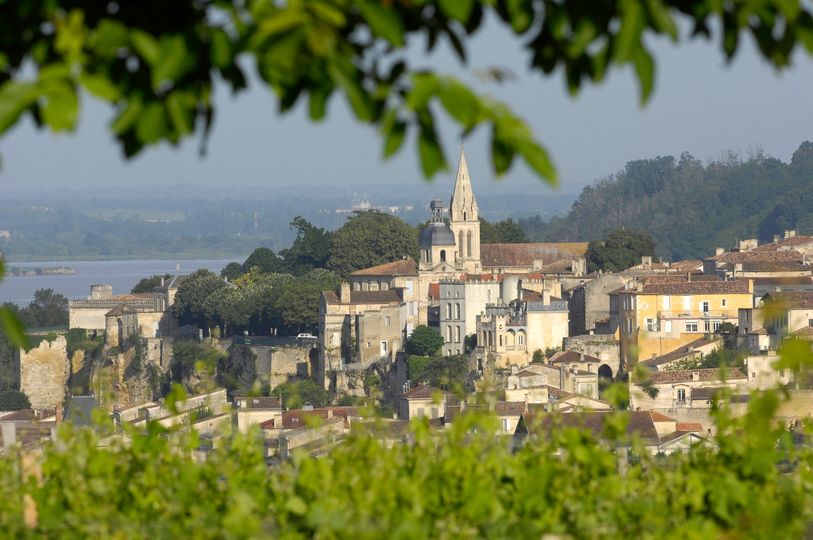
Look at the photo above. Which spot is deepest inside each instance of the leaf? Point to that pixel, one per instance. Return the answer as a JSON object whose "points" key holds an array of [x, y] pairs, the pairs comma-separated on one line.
{"points": [[383, 21], [460, 102], [108, 37], [645, 69], [146, 46], [61, 108], [128, 115], [174, 62], [220, 51], [394, 138], [317, 106], [502, 153], [15, 97], [430, 152], [662, 19], [424, 86], [100, 86], [13, 328], [181, 108], [347, 77], [538, 159], [459, 10], [628, 37], [521, 14], [151, 124]]}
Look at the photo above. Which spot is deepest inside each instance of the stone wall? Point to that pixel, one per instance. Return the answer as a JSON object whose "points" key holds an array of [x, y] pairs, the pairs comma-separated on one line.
{"points": [[602, 346], [278, 363], [44, 373]]}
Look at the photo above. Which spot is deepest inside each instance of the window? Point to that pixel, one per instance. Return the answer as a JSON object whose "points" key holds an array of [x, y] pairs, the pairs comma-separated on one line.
{"points": [[434, 412], [716, 325], [442, 255], [650, 325], [704, 306], [449, 310], [457, 311], [506, 424], [448, 334], [500, 340], [707, 326], [681, 395], [457, 334], [723, 302], [386, 321], [810, 322], [691, 326], [687, 302], [666, 303], [521, 339]]}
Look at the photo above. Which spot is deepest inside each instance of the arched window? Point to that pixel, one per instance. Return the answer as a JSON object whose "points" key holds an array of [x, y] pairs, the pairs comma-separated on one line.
{"points": [[457, 334], [460, 246], [500, 337], [448, 334], [457, 311], [442, 255], [356, 286], [449, 311], [464, 215], [468, 243], [521, 339]]}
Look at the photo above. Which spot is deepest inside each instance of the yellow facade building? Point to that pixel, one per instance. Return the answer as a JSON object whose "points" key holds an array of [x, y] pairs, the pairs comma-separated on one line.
{"points": [[653, 319]]}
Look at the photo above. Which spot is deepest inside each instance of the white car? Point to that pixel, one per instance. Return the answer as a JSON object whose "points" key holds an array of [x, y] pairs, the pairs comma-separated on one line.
{"points": [[305, 335]]}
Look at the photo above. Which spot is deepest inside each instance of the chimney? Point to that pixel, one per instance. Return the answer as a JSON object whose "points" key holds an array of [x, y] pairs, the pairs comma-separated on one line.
{"points": [[790, 233], [737, 268], [344, 293], [162, 281], [646, 261], [776, 238], [695, 376], [719, 251]]}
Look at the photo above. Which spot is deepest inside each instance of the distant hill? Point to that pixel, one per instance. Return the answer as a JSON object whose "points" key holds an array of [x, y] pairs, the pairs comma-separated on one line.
{"points": [[691, 208]]}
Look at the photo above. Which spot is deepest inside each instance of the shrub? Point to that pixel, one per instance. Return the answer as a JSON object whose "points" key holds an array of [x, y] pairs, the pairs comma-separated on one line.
{"points": [[13, 400]]}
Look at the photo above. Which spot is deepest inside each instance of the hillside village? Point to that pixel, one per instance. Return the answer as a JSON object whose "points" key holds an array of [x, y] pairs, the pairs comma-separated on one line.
{"points": [[521, 331]]}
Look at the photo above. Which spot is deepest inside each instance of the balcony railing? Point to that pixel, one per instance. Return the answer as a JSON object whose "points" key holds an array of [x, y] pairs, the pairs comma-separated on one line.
{"points": [[688, 314]]}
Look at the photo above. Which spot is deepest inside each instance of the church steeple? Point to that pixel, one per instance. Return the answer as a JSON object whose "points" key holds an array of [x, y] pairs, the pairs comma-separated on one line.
{"points": [[463, 205], [464, 222]]}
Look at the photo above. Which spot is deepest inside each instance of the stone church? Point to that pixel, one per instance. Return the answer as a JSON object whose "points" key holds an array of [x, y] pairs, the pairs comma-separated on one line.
{"points": [[369, 319]]}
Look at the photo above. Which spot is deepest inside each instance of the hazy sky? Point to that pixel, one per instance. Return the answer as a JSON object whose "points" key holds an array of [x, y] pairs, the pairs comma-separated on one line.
{"points": [[700, 104]]}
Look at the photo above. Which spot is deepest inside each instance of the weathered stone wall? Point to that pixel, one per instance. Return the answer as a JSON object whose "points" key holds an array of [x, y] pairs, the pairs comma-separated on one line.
{"points": [[278, 363], [44, 373], [602, 346]]}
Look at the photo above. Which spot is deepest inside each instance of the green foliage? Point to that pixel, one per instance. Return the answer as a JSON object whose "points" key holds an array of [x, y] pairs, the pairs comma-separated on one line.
{"points": [[502, 232], [47, 310], [295, 394], [13, 400], [309, 250], [424, 341], [237, 372], [194, 366], [190, 300], [621, 250], [724, 356], [148, 284], [416, 367], [449, 373], [538, 357], [368, 239], [265, 260], [232, 271]]}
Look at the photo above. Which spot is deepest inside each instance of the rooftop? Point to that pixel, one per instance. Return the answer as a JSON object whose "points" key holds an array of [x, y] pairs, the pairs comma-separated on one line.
{"points": [[687, 375], [502, 255], [402, 267], [737, 286], [390, 296]]}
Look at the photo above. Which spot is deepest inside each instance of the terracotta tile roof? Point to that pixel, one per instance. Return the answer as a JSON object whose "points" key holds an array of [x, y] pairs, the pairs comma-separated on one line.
{"points": [[734, 257], [682, 352], [737, 286], [675, 435], [804, 331], [296, 418], [775, 266], [508, 255], [689, 426], [640, 423], [658, 417], [784, 281], [18, 416], [402, 267], [567, 357], [423, 391], [258, 402], [786, 243], [509, 408], [390, 296], [688, 264], [707, 392], [790, 299], [687, 375]]}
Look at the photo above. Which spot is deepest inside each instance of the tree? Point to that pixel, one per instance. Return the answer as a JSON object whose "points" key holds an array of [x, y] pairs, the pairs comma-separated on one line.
{"points": [[621, 250], [424, 341], [309, 250], [190, 300], [47, 309], [264, 259], [502, 232], [449, 373], [232, 271], [295, 394], [368, 239], [148, 284], [13, 400]]}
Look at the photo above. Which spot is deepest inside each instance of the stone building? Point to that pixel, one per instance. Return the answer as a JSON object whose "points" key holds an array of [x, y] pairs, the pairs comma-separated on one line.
{"points": [[91, 314], [43, 373]]}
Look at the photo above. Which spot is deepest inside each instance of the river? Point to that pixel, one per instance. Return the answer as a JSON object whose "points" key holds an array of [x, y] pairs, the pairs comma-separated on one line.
{"points": [[122, 275]]}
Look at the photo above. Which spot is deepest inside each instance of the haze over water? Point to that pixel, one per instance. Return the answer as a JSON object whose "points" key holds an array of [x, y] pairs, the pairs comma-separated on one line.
{"points": [[122, 275]]}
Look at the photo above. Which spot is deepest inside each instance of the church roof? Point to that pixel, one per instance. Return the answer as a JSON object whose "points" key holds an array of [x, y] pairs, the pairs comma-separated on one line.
{"points": [[463, 196], [402, 267], [501, 255], [436, 234]]}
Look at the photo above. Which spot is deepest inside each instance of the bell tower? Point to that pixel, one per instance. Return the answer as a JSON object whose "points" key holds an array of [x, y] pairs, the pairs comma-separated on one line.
{"points": [[465, 221]]}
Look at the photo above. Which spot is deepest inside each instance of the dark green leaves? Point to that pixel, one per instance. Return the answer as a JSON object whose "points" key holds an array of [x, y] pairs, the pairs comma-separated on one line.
{"points": [[383, 20]]}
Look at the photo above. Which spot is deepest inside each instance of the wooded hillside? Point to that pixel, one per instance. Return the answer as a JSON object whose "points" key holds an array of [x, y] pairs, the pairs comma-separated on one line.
{"points": [[690, 208]]}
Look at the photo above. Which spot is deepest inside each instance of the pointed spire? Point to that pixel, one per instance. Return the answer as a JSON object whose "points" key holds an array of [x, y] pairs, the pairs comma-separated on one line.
{"points": [[463, 206]]}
